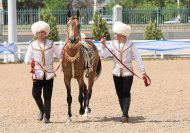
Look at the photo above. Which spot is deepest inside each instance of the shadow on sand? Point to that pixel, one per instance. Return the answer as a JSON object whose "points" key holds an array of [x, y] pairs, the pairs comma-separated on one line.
{"points": [[136, 119], [132, 120]]}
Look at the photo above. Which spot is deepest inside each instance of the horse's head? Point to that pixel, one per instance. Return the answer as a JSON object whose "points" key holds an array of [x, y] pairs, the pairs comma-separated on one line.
{"points": [[73, 27]]}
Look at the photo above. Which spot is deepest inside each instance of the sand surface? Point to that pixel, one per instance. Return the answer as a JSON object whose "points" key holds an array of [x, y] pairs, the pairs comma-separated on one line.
{"points": [[164, 107]]}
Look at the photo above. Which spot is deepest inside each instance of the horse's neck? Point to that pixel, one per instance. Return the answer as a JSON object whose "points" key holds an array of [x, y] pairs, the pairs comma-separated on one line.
{"points": [[72, 49]]}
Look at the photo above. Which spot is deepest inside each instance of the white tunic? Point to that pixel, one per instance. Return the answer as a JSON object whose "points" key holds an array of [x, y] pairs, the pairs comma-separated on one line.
{"points": [[44, 55], [125, 53]]}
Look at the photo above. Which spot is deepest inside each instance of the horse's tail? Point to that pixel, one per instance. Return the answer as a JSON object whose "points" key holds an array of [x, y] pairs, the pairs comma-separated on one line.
{"points": [[99, 68]]}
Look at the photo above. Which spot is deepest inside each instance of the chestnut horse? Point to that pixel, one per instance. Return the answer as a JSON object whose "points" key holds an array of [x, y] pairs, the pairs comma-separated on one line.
{"points": [[80, 58]]}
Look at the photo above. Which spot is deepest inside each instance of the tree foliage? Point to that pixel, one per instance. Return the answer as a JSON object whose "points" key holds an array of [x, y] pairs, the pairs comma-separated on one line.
{"points": [[100, 27], [29, 4], [148, 3], [82, 3], [152, 32], [55, 4], [34, 4], [123, 3]]}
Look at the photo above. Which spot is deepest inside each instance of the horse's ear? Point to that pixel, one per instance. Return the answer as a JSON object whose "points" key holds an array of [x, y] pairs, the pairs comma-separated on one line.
{"points": [[78, 13], [69, 13]]}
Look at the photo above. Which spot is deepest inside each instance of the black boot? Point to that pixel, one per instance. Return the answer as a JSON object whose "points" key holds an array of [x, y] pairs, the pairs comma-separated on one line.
{"points": [[40, 104], [46, 116], [126, 105]]}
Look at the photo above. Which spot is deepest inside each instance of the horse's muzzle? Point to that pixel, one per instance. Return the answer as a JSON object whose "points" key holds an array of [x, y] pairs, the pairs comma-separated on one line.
{"points": [[72, 40]]}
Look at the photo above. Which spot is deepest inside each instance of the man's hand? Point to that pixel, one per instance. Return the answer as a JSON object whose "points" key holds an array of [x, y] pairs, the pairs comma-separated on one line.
{"points": [[30, 62], [103, 40]]}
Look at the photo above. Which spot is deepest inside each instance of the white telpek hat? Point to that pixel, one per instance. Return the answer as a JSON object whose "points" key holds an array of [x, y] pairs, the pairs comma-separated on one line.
{"points": [[121, 28], [40, 26]]}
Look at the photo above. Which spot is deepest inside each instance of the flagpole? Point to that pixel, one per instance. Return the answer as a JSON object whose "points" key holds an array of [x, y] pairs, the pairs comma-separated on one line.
{"points": [[12, 26], [178, 6]]}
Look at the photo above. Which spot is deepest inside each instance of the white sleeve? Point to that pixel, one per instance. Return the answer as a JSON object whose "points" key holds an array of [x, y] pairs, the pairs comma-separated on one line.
{"points": [[105, 52], [138, 58], [57, 51], [29, 54]]}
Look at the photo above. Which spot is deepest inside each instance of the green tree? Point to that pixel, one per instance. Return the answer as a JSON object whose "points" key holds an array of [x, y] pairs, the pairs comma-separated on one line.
{"points": [[29, 4], [185, 3], [82, 3], [45, 15], [147, 3], [55, 4], [151, 4], [152, 32], [124, 3], [100, 27], [34, 4]]}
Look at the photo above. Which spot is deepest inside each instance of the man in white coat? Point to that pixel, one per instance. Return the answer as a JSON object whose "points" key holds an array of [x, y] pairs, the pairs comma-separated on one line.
{"points": [[124, 50], [41, 52]]}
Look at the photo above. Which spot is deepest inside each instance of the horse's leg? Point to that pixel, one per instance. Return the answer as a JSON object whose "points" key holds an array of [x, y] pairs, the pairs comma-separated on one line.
{"points": [[69, 98], [69, 101], [85, 94], [89, 93], [82, 96]]}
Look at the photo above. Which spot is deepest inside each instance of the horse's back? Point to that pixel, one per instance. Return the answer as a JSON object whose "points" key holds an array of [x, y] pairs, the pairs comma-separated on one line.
{"points": [[89, 42], [97, 60]]}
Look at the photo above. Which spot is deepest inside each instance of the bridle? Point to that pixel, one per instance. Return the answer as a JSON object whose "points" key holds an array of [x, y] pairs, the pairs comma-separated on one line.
{"points": [[73, 39]]}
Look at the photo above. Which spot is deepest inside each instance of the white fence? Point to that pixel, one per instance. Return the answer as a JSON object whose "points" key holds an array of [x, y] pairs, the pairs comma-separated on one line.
{"points": [[8, 52], [147, 48], [160, 49]]}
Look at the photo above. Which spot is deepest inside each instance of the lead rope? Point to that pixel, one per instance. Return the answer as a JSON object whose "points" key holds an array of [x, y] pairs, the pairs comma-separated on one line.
{"points": [[33, 70], [146, 79]]}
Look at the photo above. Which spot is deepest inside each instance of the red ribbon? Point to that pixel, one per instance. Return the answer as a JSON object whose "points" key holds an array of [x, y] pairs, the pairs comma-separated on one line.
{"points": [[32, 69]]}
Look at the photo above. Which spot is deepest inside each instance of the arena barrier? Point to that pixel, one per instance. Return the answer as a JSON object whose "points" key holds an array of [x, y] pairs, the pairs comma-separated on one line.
{"points": [[147, 48]]}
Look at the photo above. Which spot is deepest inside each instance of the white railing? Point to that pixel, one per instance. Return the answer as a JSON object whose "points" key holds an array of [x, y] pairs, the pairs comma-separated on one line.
{"points": [[8, 52], [147, 48]]}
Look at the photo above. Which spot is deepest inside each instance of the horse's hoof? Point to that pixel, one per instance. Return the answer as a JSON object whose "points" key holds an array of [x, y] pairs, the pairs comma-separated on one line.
{"points": [[89, 110], [85, 116], [68, 120], [81, 111]]}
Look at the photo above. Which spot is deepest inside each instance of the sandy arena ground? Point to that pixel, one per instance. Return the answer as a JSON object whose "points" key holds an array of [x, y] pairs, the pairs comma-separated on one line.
{"points": [[164, 107]]}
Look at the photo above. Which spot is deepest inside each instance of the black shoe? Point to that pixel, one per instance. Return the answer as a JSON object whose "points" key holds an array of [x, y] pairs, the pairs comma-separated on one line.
{"points": [[46, 116], [125, 119], [45, 119]]}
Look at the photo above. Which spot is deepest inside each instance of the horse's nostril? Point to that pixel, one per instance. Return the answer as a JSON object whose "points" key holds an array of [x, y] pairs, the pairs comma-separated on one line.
{"points": [[72, 39]]}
